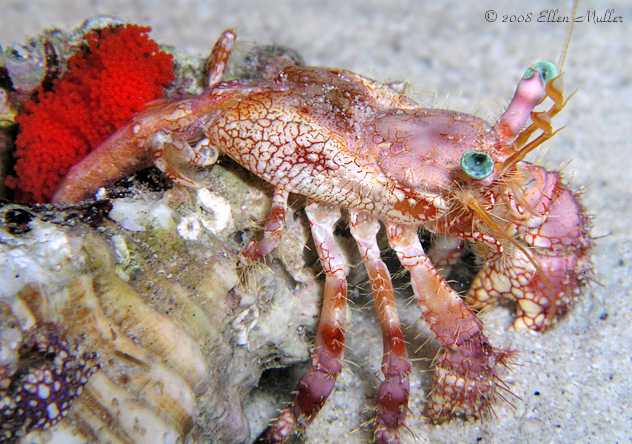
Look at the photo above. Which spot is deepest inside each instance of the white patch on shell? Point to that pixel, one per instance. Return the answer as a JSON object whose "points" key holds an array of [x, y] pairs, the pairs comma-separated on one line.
{"points": [[189, 227], [499, 282], [439, 203], [120, 249], [33, 258], [128, 214], [52, 411], [217, 215], [101, 194], [399, 195], [163, 215], [137, 214], [10, 340], [542, 242], [244, 323], [43, 391], [162, 137]]}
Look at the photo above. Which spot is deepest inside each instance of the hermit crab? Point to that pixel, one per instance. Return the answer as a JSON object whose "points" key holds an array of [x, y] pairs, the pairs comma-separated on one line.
{"points": [[352, 145]]}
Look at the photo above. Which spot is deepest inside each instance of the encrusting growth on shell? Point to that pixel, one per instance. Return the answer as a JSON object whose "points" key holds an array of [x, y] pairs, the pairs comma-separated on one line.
{"points": [[50, 373]]}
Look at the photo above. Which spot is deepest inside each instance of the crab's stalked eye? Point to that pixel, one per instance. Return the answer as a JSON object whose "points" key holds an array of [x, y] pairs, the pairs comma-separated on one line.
{"points": [[546, 69], [477, 165]]}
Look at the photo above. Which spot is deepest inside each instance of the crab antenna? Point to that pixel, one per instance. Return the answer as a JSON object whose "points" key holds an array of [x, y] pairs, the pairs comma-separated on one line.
{"points": [[569, 34]]}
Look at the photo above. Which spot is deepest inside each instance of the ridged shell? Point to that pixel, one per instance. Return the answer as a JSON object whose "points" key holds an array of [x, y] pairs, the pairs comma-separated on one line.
{"points": [[179, 337]]}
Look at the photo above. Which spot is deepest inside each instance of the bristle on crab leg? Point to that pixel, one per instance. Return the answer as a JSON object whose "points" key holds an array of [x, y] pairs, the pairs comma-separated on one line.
{"points": [[327, 354], [465, 378], [274, 225], [392, 400]]}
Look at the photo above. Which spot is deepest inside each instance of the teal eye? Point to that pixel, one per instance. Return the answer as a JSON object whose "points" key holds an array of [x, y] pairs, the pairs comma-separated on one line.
{"points": [[477, 165], [546, 69]]}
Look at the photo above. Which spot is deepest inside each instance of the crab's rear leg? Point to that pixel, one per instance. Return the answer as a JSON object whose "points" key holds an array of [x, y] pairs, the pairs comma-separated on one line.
{"points": [[465, 379], [392, 401], [315, 387], [275, 222]]}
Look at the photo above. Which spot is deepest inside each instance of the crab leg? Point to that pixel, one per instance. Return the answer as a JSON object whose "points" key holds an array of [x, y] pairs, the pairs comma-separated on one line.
{"points": [[275, 223], [167, 149], [173, 156], [445, 252], [219, 57], [465, 380], [315, 387], [392, 401]]}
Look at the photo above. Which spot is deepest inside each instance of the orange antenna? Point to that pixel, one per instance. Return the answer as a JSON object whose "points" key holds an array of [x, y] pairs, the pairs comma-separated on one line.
{"points": [[569, 34]]}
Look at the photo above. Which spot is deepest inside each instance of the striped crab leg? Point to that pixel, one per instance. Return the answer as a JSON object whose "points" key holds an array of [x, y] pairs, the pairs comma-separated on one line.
{"points": [[327, 354], [465, 379], [273, 229], [392, 400]]}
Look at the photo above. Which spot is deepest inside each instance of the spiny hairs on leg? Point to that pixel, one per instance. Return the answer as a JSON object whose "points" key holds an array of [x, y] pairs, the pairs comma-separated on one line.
{"points": [[466, 382], [465, 379], [327, 355], [274, 225], [392, 399]]}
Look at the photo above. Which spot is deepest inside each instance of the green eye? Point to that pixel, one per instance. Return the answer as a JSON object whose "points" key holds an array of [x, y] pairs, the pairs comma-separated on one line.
{"points": [[546, 69], [477, 165]]}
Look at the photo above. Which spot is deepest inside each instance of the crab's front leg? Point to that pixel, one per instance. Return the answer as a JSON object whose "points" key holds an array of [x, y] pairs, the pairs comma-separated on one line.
{"points": [[465, 371], [315, 387], [392, 401]]}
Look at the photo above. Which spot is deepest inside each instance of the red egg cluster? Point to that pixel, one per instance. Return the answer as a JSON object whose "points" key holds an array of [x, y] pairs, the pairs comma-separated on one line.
{"points": [[119, 71]]}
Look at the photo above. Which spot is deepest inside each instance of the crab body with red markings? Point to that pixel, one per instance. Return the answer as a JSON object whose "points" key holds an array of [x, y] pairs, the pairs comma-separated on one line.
{"points": [[347, 142]]}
